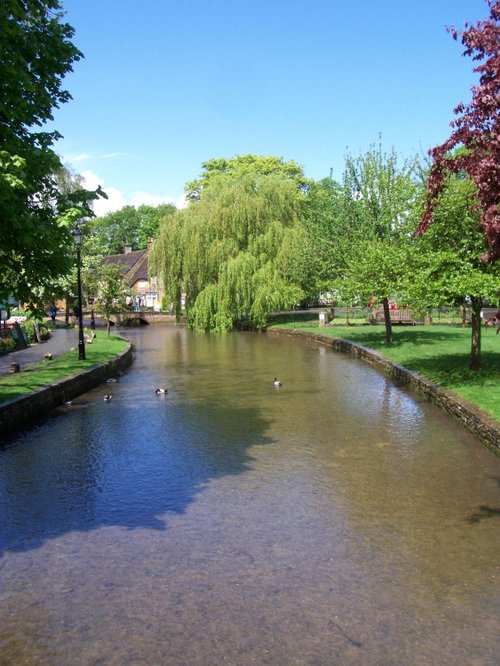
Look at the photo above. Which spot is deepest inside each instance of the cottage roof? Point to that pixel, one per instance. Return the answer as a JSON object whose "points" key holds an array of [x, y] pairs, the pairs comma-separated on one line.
{"points": [[134, 265]]}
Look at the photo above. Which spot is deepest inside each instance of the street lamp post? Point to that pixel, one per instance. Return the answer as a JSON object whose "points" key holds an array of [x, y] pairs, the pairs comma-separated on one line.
{"points": [[92, 316], [77, 237]]}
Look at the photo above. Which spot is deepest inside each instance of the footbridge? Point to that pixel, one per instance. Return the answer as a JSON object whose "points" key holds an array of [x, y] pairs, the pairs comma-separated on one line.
{"points": [[139, 318]]}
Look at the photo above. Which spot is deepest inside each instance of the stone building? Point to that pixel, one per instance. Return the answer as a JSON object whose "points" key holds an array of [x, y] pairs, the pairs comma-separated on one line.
{"points": [[135, 268]]}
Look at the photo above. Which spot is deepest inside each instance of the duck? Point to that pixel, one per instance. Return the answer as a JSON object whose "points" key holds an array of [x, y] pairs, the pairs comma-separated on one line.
{"points": [[161, 391], [277, 382], [111, 381], [107, 397]]}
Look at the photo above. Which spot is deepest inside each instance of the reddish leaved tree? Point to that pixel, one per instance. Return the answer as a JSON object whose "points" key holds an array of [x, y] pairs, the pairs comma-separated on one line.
{"points": [[476, 130]]}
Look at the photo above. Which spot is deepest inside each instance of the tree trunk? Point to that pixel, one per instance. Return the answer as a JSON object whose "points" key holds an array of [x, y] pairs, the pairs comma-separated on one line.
{"points": [[387, 320], [475, 351], [464, 316], [36, 329], [66, 310]]}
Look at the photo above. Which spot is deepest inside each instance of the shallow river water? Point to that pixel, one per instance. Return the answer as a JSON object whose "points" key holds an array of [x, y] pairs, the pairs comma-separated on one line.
{"points": [[337, 519]]}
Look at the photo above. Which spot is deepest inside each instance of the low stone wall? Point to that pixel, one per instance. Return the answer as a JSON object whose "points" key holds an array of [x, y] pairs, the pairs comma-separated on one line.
{"points": [[478, 422], [23, 410]]}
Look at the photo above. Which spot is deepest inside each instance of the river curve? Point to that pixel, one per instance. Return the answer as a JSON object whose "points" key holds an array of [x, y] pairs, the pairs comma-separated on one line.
{"points": [[335, 519]]}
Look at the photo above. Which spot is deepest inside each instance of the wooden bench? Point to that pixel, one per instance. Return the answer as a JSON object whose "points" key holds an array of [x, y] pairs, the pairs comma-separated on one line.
{"points": [[397, 317]]}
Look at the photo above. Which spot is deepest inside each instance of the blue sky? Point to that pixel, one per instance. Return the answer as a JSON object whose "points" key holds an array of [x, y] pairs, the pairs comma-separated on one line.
{"points": [[166, 85]]}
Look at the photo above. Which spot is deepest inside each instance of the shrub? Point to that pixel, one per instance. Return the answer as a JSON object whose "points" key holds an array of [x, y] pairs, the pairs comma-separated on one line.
{"points": [[7, 345], [29, 328]]}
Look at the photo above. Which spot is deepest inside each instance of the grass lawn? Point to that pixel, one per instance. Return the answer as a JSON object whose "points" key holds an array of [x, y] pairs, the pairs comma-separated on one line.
{"points": [[38, 375], [440, 353]]}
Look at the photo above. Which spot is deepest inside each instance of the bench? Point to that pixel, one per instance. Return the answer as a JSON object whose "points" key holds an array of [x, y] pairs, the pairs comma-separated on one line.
{"points": [[397, 317]]}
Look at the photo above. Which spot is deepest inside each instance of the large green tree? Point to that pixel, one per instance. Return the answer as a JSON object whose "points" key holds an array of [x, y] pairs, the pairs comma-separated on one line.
{"points": [[445, 266], [127, 226], [243, 165], [475, 128], [36, 215], [378, 209], [330, 238], [238, 253]]}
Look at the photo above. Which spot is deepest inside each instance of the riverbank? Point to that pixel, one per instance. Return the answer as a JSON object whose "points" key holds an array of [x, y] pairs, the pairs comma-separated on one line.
{"points": [[440, 353], [43, 386], [475, 419]]}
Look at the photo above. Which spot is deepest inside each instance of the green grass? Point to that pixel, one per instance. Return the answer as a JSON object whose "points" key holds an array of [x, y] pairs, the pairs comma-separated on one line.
{"points": [[38, 375], [440, 353]]}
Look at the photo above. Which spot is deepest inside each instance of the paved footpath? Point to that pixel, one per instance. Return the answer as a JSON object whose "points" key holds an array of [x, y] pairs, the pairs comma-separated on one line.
{"points": [[61, 341]]}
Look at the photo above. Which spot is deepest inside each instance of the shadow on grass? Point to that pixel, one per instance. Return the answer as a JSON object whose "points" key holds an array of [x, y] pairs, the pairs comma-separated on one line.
{"points": [[453, 369], [291, 317], [375, 338]]}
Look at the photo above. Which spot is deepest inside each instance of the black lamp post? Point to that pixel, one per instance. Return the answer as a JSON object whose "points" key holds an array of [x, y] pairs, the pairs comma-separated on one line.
{"points": [[77, 237], [92, 316]]}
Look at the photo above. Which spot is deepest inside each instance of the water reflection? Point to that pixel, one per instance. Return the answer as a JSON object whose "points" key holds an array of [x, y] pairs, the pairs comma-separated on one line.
{"points": [[338, 519], [125, 463]]}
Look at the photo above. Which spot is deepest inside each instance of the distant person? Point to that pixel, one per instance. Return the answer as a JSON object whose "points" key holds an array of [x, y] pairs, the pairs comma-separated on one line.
{"points": [[138, 303], [53, 312]]}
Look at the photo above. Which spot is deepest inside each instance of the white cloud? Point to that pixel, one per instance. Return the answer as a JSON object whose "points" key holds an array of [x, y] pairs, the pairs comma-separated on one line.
{"points": [[81, 157], [118, 199], [111, 156]]}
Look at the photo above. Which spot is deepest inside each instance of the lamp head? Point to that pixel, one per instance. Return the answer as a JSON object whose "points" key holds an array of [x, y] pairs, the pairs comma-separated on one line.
{"points": [[77, 236]]}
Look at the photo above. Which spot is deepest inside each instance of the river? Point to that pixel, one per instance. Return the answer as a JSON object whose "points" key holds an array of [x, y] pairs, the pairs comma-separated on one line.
{"points": [[337, 519]]}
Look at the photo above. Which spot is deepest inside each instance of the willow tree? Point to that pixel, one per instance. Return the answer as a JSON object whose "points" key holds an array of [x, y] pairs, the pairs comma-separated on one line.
{"points": [[241, 166], [236, 254]]}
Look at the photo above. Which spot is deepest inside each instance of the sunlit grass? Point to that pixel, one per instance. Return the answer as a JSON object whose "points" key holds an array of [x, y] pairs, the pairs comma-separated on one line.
{"points": [[38, 375], [440, 353]]}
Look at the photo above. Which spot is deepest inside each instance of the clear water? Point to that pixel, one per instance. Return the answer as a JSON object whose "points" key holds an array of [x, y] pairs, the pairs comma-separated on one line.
{"points": [[335, 520]]}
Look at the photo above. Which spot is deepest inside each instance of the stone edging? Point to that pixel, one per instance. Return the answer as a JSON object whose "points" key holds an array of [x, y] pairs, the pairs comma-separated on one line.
{"points": [[474, 419], [21, 411]]}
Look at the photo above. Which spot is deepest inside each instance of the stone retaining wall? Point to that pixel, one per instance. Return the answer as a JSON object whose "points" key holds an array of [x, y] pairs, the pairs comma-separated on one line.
{"points": [[23, 410], [478, 422]]}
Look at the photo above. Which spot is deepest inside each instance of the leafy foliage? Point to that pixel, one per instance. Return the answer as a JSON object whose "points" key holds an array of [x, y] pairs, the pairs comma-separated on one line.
{"points": [[446, 266], [237, 253], [477, 129], [243, 165], [112, 290], [378, 206], [127, 226], [36, 53]]}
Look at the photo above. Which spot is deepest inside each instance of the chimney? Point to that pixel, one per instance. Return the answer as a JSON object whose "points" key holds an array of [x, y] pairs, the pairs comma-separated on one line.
{"points": [[127, 249]]}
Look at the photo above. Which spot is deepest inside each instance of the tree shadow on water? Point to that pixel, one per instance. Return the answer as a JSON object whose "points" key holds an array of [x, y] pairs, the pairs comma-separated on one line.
{"points": [[128, 467], [483, 512]]}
